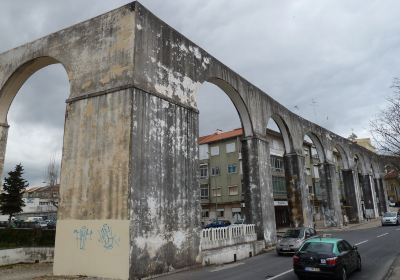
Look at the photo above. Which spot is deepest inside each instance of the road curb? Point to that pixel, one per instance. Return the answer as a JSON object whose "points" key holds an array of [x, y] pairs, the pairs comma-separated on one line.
{"points": [[395, 263]]}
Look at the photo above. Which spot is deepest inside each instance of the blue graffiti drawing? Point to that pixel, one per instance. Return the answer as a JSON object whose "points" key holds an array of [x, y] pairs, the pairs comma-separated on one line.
{"points": [[82, 235], [107, 239]]}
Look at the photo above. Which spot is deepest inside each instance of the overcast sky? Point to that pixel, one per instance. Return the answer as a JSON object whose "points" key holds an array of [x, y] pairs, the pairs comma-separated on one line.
{"points": [[331, 62]]}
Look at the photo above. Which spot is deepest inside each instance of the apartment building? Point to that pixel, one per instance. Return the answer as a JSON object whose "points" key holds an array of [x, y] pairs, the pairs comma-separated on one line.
{"points": [[221, 177]]}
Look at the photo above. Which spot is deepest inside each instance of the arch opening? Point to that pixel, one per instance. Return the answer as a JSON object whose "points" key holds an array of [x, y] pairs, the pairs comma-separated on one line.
{"points": [[280, 144], [33, 102], [314, 157], [223, 122], [17, 79]]}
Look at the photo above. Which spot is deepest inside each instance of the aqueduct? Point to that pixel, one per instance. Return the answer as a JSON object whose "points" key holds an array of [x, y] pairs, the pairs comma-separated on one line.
{"points": [[130, 202]]}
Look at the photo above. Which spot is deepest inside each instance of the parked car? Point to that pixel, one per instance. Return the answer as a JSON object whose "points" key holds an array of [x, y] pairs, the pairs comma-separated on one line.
{"points": [[293, 239], [326, 257], [51, 224], [390, 218], [218, 223], [391, 204], [40, 224]]}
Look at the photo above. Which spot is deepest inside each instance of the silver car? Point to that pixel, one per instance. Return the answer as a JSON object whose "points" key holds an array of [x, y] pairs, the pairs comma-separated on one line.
{"points": [[390, 218], [292, 240]]}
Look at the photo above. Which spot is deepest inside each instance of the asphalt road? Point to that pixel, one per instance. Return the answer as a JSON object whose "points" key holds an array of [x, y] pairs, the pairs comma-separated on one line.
{"points": [[378, 248]]}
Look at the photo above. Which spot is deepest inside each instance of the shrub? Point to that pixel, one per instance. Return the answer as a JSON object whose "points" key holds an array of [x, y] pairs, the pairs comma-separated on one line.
{"points": [[17, 237]]}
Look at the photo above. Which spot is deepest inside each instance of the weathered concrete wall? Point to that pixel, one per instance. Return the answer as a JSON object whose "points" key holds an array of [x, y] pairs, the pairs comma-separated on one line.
{"points": [[330, 187], [258, 190], [3, 145], [164, 189], [26, 255], [351, 197], [298, 200], [94, 187], [227, 254], [95, 164]]}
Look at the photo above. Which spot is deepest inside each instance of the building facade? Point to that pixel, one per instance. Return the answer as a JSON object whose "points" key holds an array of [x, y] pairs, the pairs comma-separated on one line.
{"points": [[392, 180], [221, 178], [40, 202]]}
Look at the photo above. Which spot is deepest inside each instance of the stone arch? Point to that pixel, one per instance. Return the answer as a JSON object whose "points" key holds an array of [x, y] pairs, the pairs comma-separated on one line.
{"points": [[237, 101], [357, 158], [18, 78], [318, 145], [343, 155], [284, 129]]}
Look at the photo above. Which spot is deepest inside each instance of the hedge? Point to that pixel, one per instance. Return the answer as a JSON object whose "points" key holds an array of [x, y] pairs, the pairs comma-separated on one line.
{"points": [[21, 237]]}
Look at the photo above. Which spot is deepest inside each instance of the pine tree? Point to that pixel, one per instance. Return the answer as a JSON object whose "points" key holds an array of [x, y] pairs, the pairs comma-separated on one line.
{"points": [[13, 188]]}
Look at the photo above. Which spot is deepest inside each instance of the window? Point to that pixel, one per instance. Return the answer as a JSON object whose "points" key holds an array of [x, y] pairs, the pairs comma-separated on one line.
{"points": [[203, 151], [230, 147], [277, 164], [204, 191], [220, 212], [234, 190], [236, 213], [205, 213], [316, 172], [217, 192], [215, 171], [279, 185], [203, 171], [232, 168], [343, 246], [215, 151]]}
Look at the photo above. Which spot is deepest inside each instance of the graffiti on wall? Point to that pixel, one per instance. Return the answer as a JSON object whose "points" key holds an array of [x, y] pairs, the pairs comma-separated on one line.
{"points": [[106, 237]]}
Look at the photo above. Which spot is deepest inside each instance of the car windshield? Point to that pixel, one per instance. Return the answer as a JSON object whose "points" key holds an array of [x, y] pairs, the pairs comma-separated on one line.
{"points": [[389, 215], [292, 233], [317, 247]]}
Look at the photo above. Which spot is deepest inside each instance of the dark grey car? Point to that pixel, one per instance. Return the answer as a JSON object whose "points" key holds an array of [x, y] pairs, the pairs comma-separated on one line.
{"points": [[293, 239]]}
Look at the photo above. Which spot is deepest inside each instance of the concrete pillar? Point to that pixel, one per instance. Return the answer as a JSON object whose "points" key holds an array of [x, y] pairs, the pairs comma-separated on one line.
{"points": [[380, 195], [164, 201], [3, 144], [298, 196], [330, 187], [367, 194], [259, 199], [352, 196], [383, 193], [375, 199]]}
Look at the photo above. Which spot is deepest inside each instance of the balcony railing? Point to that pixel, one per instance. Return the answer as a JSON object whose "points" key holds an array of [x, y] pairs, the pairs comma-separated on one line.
{"points": [[226, 236]]}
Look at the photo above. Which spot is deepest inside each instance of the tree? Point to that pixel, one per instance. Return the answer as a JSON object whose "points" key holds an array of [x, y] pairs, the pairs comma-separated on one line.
{"points": [[52, 174], [13, 188], [386, 127]]}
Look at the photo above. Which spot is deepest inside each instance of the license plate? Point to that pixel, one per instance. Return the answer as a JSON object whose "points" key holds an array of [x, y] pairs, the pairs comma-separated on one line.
{"points": [[285, 249], [311, 269]]}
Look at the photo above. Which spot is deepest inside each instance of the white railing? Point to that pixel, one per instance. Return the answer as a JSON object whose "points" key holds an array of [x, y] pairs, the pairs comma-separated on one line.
{"points": [[226, 236]]}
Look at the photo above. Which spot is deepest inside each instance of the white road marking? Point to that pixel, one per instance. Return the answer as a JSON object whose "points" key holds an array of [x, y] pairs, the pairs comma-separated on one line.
{"points": [[382, 234], [362, 242], [398, 229], [226, 267], [279, 275]]}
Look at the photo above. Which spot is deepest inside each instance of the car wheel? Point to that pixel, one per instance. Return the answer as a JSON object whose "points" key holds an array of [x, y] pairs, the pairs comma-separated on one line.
{"points": [[301, 277], [359, 266], [343, 274]]}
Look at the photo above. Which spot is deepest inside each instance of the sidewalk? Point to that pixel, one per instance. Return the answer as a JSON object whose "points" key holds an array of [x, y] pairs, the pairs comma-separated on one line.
{"points": [[363, 225], [394, 271]]}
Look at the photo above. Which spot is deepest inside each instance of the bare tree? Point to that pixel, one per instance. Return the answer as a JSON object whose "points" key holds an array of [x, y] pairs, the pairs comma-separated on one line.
{"points": [[52, 176], [386, 127]]}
